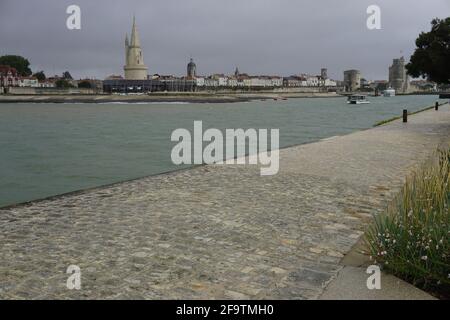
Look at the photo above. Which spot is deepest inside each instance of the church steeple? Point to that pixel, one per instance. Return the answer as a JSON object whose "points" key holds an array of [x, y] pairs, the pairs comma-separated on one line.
{"points": [[127, 46], [135, 41], [135, 68]]}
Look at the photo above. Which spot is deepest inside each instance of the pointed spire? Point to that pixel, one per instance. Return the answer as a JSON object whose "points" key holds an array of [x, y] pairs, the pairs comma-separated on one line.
{"points": [[127, 43], [135, 42]]}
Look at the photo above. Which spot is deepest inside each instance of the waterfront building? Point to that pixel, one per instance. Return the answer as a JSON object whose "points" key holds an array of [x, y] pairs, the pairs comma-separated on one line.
{"points": [[293, 81], [398, 78], [256, 82], [312, 81], [222, 80], [149, 85], [352, 80], [422, 86], [329, 83], [191, 69], [211, 82], [28, 82], [134, 68], [114, 77], [365, 84], [95, 84], [306, 80], [232, 81], [246, 80], [200, 81], [275, 81], [379, 86], [47, 84], [8, 76]]}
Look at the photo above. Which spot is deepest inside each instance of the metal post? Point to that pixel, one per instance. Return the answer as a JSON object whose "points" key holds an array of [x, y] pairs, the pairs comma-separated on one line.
{"points": [[436, 106], [405, 115]]}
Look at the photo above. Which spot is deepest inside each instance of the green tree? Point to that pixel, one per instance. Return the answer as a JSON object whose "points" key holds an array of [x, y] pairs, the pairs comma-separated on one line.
{"points": [[40, 75], [63, 84], [67, 75], [431, 59], [84, 84], [21, 64]]}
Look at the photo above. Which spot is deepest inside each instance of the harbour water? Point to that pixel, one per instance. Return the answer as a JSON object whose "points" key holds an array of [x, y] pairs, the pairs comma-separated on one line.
{"points": [[49, 149]]}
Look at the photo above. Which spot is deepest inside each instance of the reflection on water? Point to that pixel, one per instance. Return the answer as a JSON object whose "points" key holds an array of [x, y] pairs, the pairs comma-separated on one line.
{"points": [[48, 149]]}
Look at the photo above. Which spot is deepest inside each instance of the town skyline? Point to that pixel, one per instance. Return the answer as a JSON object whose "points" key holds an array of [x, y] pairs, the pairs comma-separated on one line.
{"points": [[96, 51]]}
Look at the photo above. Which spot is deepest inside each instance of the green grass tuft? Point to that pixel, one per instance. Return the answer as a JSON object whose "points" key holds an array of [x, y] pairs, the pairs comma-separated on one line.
{"points": [[412, 239]]}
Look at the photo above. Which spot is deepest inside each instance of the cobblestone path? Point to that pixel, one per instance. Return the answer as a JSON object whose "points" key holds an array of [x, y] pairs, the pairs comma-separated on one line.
{"points": [[216, 232]]}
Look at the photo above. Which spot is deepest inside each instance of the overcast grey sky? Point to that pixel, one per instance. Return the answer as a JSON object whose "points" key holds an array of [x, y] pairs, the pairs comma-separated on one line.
{"points": [[259, 36]]}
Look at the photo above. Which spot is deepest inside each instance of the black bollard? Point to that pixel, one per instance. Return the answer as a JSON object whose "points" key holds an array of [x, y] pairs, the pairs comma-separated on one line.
{"points": [[405, 115], [436, 106]]}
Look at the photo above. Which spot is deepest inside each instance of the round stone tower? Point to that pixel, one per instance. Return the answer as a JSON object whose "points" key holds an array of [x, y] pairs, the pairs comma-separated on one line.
{"points": [[191, 69]]}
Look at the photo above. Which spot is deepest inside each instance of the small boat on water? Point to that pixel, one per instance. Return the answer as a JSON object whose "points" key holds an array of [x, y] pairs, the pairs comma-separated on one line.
{"points": [[389, 92], [357, 99]]}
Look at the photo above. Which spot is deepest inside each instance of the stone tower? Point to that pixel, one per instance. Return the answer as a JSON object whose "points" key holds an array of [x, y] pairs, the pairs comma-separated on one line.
{"points": [[398, 78], [135, 68], [352, 80], [324, 73], [191, 69]]}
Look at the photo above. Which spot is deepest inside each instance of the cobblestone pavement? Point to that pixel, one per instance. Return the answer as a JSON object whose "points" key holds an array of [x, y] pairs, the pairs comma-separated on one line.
{"points": [[216, 232]]}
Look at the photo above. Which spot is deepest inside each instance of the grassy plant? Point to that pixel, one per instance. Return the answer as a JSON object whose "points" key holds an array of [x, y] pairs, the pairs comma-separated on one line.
{"points": [[412, 239]]}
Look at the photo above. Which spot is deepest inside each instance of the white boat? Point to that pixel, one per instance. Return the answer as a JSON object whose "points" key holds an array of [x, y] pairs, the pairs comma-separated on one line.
{"points": [[389, 92], [357, 99]]}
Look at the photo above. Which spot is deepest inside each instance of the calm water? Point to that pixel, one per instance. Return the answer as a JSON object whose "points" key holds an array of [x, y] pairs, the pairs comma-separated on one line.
{"points": [[48, 149]]}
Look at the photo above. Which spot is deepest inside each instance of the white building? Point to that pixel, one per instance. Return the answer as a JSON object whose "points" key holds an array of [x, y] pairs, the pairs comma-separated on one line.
{"points": [[222, 80], [200, 81], [232, 82], [276, 81], [330, 83], [312, 81], [47, 84], [28, 82], [211, 82]]}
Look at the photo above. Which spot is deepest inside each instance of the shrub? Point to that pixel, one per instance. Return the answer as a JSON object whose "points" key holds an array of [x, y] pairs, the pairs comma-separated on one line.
{"points": [[412, 239]]}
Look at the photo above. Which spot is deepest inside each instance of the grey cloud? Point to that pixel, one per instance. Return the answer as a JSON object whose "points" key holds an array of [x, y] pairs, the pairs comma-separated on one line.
{"points": [[260, 36]]}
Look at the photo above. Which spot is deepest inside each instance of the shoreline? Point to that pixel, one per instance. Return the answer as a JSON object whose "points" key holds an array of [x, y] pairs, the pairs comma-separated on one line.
{"points": [[160, 98]]}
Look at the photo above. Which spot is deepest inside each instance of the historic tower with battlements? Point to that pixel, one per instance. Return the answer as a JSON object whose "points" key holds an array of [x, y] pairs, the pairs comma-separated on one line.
{"points": [[135, 69]]}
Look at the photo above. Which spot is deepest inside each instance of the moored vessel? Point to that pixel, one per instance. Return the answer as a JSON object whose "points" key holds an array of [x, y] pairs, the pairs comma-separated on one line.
{"points": [[357, 99]]}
